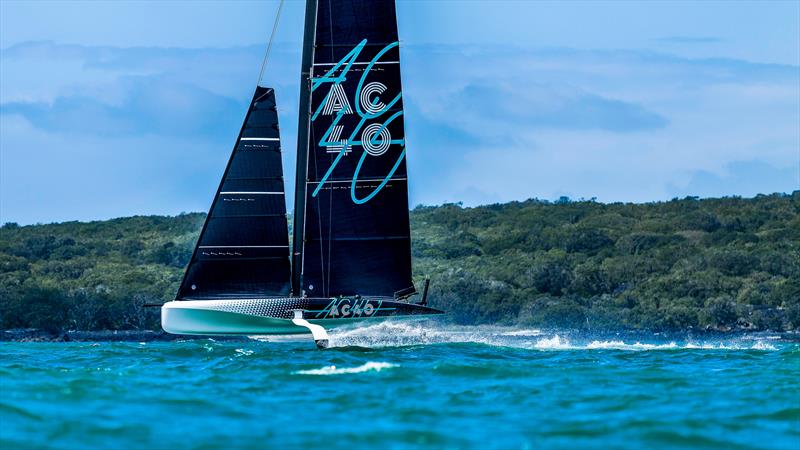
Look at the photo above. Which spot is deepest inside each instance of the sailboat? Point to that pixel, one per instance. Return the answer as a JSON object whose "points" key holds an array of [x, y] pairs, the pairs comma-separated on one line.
{"points": [[350, 258]]}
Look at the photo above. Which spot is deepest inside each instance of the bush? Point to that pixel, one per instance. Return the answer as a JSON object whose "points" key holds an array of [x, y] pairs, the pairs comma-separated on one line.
{"points": [[551, 311], [587, 241], [726, 262], [721, 312]]}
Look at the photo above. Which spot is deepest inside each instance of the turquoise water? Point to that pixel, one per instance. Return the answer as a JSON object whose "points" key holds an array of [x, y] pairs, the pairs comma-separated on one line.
{"points": [[405, 386]]}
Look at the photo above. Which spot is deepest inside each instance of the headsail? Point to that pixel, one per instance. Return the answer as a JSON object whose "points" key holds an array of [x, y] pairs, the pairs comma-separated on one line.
{"points": [[351, 223], [243, 250]]}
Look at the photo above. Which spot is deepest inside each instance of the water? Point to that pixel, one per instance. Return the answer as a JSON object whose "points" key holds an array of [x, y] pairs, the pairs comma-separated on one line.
{"points": [[404, 386]]}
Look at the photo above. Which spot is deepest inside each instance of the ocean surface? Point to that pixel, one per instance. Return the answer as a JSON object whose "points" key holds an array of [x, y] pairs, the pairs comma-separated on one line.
{"points": [[405, 385]]}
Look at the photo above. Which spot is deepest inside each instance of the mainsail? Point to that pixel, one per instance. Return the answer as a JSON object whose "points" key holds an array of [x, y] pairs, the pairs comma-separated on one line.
{"points": [[243, 250], [351, 229]]}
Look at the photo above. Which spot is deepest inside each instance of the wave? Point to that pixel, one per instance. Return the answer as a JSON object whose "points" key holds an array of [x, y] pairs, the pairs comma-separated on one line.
{"points": [[400, 334], [333, 370], [558, 343]]}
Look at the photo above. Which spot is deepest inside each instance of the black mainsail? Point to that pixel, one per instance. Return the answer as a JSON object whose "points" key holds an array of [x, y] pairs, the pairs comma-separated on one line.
{"points": [[243, 249], [351, 228]]}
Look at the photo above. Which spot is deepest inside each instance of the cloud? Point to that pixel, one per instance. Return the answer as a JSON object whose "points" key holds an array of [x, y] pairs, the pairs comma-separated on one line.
{"points": [[540, 106], [750, 177], [149, 106], [96, 132], [690, 39], [48, 176], [618, 125], [148, 130]]}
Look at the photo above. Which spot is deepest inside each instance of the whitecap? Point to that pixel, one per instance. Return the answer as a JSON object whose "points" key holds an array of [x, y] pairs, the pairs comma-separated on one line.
{"points": [[761, 345], [620, 345], [758, 345], [557, 342], [333, 370], [398, 334], [553, 343], [523, 333]]}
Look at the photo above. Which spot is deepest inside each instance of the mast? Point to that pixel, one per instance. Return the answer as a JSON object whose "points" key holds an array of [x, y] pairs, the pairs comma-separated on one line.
{"points": [[303, 132]]}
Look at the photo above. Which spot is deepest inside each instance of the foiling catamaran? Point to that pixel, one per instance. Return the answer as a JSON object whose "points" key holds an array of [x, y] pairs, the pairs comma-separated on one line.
{"points": [[351, 253]]}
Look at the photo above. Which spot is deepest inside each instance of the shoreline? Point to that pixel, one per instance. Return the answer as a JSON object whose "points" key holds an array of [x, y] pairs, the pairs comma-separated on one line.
{"points": [[36, 335]]}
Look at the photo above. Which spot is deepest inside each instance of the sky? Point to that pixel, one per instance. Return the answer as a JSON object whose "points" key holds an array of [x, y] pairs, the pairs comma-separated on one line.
{"points": [[111, 109]]}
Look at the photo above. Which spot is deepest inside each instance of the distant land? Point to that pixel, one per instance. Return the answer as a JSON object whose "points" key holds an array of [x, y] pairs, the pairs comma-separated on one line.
{"points": [[727, 264]]}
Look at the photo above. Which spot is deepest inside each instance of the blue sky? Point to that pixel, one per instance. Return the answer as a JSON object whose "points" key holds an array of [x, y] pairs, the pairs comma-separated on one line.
{"points": [[113, 109]]}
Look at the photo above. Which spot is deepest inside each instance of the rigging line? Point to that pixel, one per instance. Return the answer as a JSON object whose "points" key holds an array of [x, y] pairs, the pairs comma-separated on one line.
{"points": [[269, 44]]}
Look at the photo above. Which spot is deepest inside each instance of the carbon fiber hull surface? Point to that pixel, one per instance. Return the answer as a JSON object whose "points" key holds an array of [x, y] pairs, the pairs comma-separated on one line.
{"points": [[273, 315]]}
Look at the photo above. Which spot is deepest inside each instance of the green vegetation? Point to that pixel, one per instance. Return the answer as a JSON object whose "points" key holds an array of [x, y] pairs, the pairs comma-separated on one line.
{"points": [[715, 263]]}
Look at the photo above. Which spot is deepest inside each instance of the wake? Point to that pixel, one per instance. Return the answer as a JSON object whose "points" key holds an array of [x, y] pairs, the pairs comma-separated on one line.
{"points": [[402, 334]]}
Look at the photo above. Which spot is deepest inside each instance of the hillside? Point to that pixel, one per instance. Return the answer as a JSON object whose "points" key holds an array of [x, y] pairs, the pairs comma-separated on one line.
{"points": [[729, 263]]}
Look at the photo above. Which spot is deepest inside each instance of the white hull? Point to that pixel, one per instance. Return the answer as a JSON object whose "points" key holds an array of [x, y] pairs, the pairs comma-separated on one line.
{"points": [[218, 317]]}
